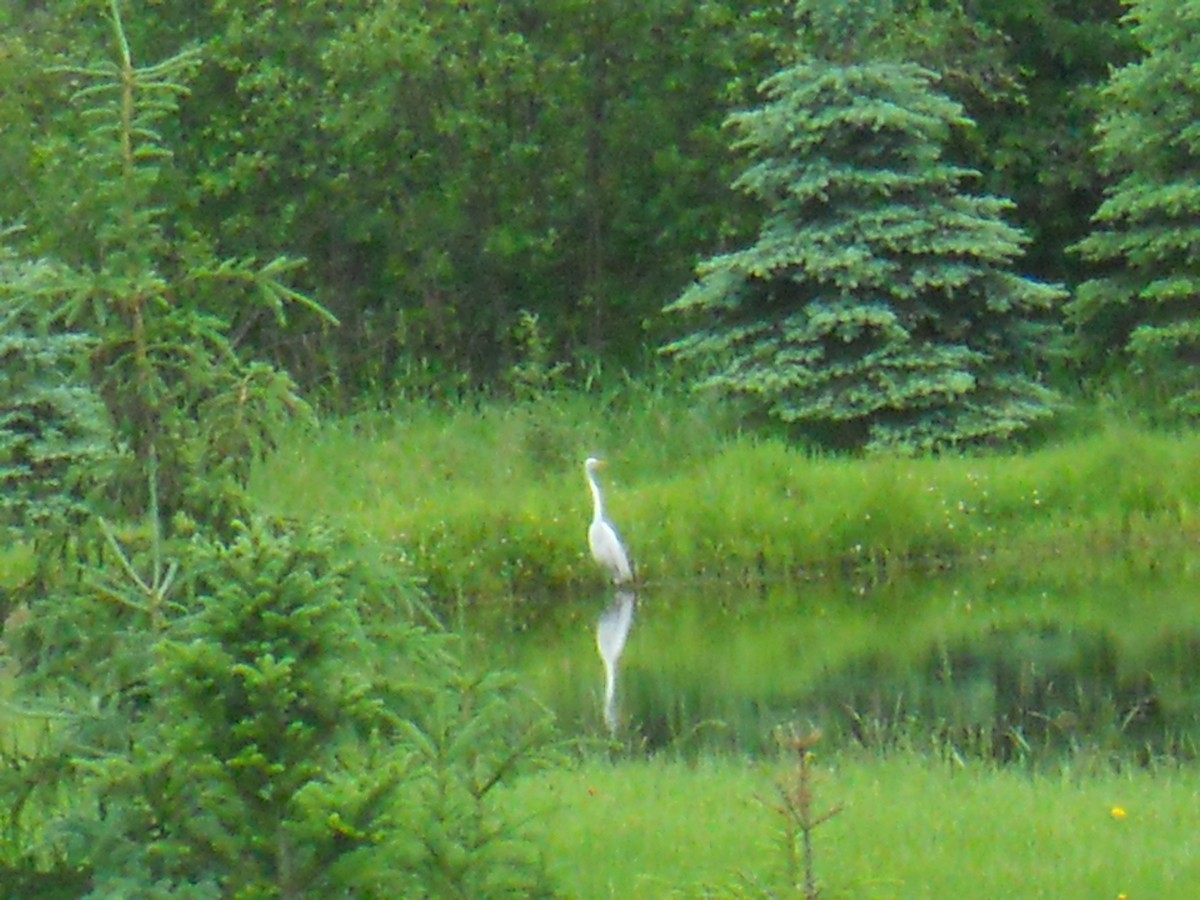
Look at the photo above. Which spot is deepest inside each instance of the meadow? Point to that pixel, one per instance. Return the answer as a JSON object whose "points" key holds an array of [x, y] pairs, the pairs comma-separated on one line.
{"points": [[911, 826], [488, 501], [488, 504]]}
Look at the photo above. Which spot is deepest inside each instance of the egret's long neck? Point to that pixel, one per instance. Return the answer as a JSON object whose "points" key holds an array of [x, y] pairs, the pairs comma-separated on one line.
{"points": [[597, 498]]}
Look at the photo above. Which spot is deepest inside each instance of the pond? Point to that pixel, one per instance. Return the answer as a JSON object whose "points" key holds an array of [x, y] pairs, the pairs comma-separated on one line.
{"points": [[1102, 654]]}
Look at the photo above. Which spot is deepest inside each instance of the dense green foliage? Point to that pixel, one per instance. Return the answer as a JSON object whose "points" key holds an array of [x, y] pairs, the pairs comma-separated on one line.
{"points": [[1035, 142], [1144, 303], [446, 167], [876, 307], [263, 717], [149, 300], [203, 707], [54, 435]]}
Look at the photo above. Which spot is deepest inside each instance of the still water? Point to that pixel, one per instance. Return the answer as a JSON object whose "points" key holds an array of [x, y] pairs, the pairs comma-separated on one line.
{"points": [[1068, 653]]}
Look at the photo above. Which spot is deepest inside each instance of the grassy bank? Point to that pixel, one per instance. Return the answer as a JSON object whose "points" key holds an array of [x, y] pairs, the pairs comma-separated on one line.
{"points": [[490, 501], [911, 827]]}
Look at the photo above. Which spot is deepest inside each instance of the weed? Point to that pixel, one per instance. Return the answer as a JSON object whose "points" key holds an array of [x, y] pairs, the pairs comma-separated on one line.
{"points": [[797, 807], [533, 376]]}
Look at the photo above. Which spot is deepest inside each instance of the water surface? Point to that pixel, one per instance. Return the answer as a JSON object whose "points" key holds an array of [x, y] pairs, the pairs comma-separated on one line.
{"points": [[1102, 653]]}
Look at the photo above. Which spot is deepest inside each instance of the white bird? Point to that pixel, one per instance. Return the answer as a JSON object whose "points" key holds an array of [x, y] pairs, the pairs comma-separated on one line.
{"points": [[606, 545], [611, 633]]}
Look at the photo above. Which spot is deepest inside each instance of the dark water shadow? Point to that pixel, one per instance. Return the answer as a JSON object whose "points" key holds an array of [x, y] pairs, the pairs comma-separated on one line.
{"points": [[1097, 656], [1103, 660]]}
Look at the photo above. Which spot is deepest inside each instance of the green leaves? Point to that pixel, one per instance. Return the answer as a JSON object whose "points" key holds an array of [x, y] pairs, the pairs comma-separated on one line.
{"points": [[267, 281], [161, 311], [444, 167], [876, 308]]}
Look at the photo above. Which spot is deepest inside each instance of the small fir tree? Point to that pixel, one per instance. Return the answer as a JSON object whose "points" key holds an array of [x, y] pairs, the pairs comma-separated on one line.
{"points": [[275, 716], [1147, 239], [53, 429], [306, 696], [158, 302], [876, 308]]}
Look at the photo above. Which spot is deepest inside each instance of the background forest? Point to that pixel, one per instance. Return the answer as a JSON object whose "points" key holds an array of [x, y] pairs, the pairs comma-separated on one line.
{"points": [[448, 170], [480, 237]]}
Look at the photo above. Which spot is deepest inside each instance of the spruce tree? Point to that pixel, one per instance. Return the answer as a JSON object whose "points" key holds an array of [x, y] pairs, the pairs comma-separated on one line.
{"points": [[877, 307], [54, 433], [1147, 237], [158, 303]]}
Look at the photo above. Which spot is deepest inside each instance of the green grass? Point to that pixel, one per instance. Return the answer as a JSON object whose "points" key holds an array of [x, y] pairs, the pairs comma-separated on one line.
{"points": [[912, 827], [490, 501], [16, 563]]}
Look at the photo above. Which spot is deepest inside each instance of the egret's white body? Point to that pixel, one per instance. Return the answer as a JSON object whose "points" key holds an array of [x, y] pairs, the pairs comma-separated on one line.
{"points": [[606, 545], [611, 632]]}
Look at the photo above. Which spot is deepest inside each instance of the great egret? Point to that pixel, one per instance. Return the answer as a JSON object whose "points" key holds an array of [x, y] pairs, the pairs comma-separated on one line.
{"points": [[606, 545], [611, 632]]}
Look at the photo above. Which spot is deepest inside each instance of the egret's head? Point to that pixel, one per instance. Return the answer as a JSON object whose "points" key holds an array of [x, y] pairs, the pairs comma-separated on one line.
{"points": [[592, 463]]}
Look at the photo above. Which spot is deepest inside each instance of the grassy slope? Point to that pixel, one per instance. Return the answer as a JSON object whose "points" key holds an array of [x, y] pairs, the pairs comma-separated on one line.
{"points": [[491, 502], [911, 827]]}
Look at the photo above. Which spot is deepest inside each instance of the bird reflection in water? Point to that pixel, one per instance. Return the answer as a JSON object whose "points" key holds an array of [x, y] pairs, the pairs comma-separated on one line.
{"points": [[611, 633]]}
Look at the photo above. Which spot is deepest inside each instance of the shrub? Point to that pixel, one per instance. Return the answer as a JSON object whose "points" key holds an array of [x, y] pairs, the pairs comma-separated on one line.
{"points": [[278, 722]]}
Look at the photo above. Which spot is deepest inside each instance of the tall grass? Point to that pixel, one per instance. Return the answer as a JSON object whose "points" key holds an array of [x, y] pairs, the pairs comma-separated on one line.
{"points": [[913, 826], [488, 499]]}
